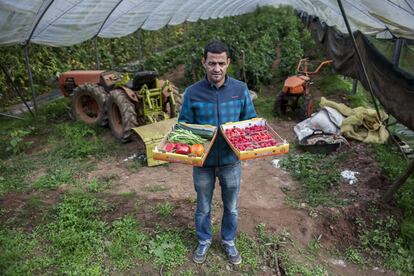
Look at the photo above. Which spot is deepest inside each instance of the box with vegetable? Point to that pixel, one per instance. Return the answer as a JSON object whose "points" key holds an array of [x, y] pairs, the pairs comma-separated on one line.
{"points": [[186, 143], [254, 139]]}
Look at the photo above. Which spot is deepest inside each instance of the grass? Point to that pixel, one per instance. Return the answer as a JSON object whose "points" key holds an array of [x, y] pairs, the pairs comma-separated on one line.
{"points": [[164, 209], [14, 173], [100, 184], [155, 188], [317, 174], [74, 236], [264, 106], [331, 84]]}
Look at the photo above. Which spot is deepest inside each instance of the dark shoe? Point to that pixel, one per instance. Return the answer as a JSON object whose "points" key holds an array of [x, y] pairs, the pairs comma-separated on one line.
{"points": [[232, 253], [200, 253]]}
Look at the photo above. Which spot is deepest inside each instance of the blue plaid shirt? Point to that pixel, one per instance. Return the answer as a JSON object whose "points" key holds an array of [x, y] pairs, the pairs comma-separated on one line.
{"points": [[204, 104]]}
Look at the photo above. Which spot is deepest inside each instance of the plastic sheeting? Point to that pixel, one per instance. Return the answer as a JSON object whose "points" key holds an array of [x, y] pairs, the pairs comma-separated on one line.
{"points": [[69, 22], [393, 87]]}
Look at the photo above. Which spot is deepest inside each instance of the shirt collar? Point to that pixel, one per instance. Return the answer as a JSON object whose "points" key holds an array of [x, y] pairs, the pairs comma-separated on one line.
{"points": [[226, 81]]}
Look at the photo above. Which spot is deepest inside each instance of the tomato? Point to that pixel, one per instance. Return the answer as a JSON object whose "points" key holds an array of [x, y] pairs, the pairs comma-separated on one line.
{"points": [[170, 147], [197, 149], [182, 149]]}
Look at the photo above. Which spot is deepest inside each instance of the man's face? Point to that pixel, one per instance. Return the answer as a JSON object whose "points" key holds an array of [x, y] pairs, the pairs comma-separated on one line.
{"points": [[216, 67]]}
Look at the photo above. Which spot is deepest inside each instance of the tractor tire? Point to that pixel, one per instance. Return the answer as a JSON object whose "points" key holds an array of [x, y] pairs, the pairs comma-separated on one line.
{"points": [[306, 107], [121, 115], [280, 104], [173, 111], [89, 104]]}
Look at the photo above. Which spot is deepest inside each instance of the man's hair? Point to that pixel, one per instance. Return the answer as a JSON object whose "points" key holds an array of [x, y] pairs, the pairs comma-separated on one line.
{"points": [[216, 47]]}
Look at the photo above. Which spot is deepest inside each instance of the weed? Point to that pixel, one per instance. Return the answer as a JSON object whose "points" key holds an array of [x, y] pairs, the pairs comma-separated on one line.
{"points": [[333, 84], [76, 234], [135, 165], [34, 202], [399, 253], [249, 249], [155, 188], [54, 179], [189, 272], [164, 209], [293, 268], [314, 245], [168, 249], [264, 106], [353, 255], [13, 173], [383, 241], [127, 242], [130, 194], [191, 199], [99, 185], [19, 254], [17, 144], [77, 140], [317, 175]]}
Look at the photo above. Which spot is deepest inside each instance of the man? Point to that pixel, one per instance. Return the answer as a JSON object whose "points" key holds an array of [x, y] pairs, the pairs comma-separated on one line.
{"points": [[215, 100]]}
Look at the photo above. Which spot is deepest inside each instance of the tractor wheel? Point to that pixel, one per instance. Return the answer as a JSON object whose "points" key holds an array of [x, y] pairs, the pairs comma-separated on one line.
{"points": [[306, 107], [122, 115], [171, 110], [89, 104], [280, 104]]}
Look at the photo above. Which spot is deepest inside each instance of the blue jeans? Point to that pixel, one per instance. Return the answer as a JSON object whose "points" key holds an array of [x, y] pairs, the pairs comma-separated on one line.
{"points": [[204, 182]]}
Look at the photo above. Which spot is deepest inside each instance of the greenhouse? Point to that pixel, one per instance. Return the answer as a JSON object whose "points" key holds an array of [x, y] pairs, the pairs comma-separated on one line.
{"points": [[107, 126]]}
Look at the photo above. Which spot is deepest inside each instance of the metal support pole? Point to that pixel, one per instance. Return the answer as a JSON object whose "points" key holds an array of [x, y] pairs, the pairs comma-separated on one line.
{"points": [[165, 38], [29, 72], [397, 52], [10, 81], [398, 183], [10, 116], [360, 58], [139, 41], [97, 63], [354, 86]]}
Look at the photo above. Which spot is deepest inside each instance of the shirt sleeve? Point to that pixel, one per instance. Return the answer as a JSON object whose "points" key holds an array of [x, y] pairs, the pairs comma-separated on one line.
{"points": [[186, 113], [247, 111]]}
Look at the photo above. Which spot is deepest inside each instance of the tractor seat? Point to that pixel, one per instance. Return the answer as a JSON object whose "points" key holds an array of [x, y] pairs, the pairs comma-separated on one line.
{"points": [[144, 77], [295, 81]]}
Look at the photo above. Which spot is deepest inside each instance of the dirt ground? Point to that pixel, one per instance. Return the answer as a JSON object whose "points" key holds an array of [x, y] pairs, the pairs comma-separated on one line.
{"points": [[262, 199]]}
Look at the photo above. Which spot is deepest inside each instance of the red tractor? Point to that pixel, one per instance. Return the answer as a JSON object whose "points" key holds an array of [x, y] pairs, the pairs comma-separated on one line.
{"points": [[107, 97], [296, 90]]}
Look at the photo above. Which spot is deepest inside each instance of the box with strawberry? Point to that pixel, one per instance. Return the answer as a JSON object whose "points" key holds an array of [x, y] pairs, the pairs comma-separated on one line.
{"points": [[254, 139]]}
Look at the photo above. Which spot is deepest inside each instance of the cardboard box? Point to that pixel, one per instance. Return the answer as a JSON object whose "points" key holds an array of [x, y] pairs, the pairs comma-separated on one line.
{"points": [[282, 146], [160, 154]]}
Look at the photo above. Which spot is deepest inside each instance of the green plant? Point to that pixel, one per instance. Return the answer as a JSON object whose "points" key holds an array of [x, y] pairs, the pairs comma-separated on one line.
{"points": [[14, 173], [127, 242], [77, 140], [155, 188], [76, 234], [17, 143], [164, 209], [96, 185], [383, 240], [130, 194], [54, 179], [19, 254], [353, 255], [314, 245], [249, 249], [317, 175], [264, 106], [168, 249]]}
